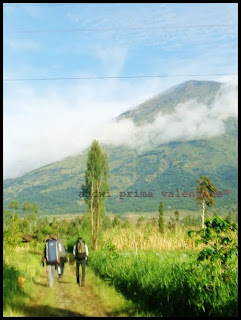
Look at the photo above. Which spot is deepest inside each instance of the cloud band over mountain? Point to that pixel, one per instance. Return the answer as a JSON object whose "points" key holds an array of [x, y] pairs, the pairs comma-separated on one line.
{"points": [[190, 120], [42, 129]]}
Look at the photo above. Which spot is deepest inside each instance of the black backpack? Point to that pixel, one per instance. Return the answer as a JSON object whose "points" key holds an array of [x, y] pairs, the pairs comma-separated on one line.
{"points": [[80, 249]]}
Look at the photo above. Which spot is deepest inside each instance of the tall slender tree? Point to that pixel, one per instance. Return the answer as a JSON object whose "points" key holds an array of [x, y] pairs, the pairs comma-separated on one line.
{"points": [[95, 189], [205, 194], [161, 218], [177, 216]]}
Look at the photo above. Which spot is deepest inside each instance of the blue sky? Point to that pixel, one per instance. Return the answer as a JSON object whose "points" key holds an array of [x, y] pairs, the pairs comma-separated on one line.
{"points": [[45, 121]]}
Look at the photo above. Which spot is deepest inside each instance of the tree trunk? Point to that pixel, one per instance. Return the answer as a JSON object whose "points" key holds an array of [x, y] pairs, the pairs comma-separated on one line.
{"points": [[97, 214], [92, 213], [203, 213]]}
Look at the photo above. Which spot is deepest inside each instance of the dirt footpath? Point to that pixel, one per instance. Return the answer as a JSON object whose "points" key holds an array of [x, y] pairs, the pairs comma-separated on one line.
{"points": [[65, 298]]}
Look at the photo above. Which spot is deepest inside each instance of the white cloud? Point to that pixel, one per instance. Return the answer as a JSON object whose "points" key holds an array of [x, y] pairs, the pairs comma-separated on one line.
{"points": [[226, 102], [42, 125], [190, 120], [45, 125]]}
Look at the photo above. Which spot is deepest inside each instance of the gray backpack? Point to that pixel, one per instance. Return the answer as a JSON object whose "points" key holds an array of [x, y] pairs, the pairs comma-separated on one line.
{"points": [[61, 249]]}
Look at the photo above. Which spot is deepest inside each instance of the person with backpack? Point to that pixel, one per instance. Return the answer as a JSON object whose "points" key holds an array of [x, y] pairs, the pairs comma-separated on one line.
{"points": [[62, 254], [81, 253], [50, 257]]}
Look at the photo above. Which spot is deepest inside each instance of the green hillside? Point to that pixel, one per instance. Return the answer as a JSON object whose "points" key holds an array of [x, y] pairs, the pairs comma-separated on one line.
{"points": [[150, 175]]}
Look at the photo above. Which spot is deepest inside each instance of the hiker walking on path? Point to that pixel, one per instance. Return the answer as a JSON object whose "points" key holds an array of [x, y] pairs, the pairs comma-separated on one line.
{"points": [[81, 252], [50, 256], [62, 255]]}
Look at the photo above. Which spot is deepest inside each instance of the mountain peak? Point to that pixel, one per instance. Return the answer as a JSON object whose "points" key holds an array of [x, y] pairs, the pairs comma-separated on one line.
{"points": [[201, 91]]}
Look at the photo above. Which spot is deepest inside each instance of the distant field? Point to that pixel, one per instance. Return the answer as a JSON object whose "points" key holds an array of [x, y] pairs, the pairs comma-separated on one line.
{"points": [[131, 216], [65, 216], [150, 215]]}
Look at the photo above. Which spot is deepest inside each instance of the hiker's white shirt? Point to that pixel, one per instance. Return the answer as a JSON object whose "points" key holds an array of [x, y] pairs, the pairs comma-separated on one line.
{"points": [[86, 250]]}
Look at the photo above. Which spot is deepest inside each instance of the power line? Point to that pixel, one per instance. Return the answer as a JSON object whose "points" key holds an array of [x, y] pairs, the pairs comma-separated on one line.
{"points": [[123, 28], [46, 5], [120, 77]]}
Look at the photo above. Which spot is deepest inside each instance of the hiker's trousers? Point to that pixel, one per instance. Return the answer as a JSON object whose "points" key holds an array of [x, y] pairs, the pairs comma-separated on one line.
{"points": [[83, 264], [50, 268], [61, 266]]}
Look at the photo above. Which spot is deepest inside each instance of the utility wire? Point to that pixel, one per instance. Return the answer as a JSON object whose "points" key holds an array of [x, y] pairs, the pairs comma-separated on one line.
{"points": [[123, 28], [120, 77], [46, 5]]}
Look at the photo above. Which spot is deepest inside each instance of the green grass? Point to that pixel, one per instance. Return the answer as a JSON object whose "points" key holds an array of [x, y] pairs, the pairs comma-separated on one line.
{"points": [[22, 261], [169, 284]]}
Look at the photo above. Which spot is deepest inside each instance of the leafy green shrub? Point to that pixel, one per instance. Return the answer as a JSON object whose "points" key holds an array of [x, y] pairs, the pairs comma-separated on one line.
{"points": [[11, 229], [220, 237]]}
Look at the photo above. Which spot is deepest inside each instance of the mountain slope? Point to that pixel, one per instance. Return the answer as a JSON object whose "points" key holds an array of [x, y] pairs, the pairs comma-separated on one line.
{"points": [[201, 91], [149, 175]]}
